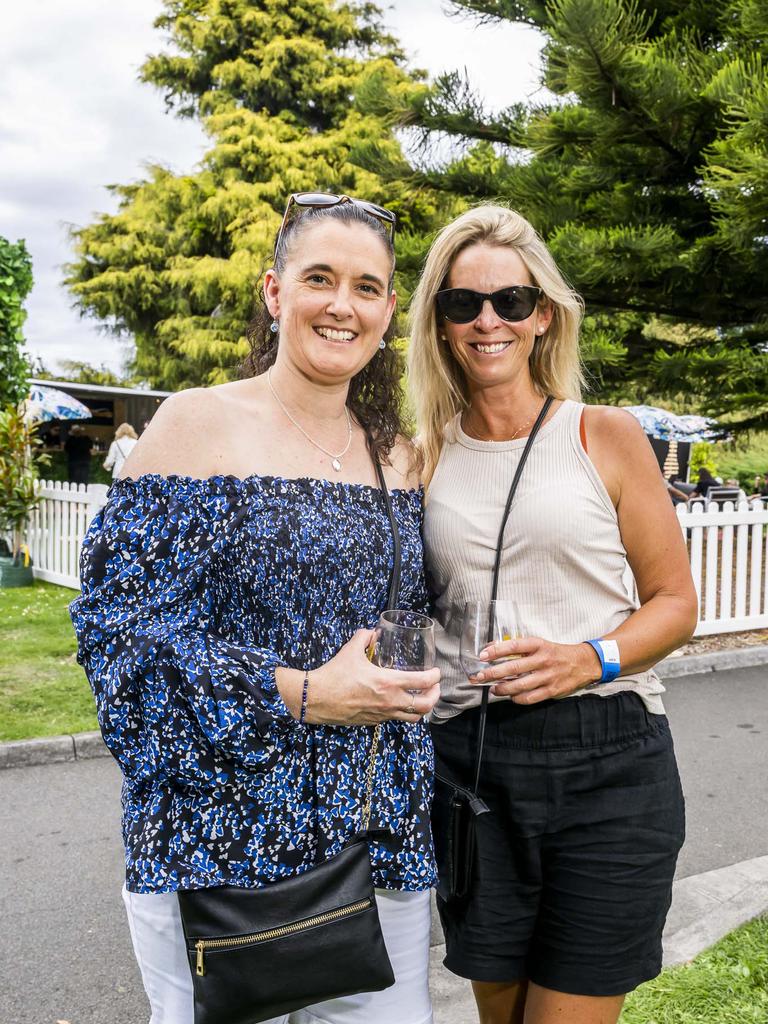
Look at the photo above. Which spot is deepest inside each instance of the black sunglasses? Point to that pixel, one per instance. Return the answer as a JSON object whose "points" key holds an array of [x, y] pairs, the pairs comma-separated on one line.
{"points": [[461, 305], [323, 200]]}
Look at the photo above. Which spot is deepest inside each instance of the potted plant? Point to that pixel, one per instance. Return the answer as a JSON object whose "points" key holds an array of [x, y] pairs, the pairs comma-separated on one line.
{"points": [[18, 496]]}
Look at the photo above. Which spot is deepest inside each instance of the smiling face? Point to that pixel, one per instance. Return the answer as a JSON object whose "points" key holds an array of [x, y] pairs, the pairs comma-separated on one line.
{"points": [[331, 299], [490, 350]]}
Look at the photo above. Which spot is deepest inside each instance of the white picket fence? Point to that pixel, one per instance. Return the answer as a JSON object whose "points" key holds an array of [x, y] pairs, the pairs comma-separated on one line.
{"points": [[728, 549], [56, 528]]}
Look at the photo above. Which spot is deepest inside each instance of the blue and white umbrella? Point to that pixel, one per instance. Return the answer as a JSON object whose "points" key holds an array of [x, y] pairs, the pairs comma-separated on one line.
{"points": [[51, 404], [670, 427]]}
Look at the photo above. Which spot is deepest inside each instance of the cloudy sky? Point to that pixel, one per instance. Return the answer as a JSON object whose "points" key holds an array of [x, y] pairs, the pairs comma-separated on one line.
{"points": [[74, 118]]}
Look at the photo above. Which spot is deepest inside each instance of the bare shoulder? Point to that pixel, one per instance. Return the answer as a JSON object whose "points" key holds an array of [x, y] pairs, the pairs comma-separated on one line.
{"points": [[405, 464], [178, 438], [616, 429], [619, 449]]}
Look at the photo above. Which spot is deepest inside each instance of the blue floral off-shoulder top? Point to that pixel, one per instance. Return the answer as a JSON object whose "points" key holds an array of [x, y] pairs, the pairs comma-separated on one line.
{"points": [[193, 592]]}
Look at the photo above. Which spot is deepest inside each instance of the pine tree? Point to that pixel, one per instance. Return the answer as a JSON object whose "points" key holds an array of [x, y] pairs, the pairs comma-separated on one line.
{"points": [[647, 175], [177, 265]]}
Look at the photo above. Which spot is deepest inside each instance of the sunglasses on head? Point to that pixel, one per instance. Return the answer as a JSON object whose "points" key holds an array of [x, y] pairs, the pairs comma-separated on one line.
{"points": [[323, 200], [461, 305]]}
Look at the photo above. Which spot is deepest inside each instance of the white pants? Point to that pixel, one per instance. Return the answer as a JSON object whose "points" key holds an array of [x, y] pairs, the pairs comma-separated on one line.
{"points": [[158, 941]]}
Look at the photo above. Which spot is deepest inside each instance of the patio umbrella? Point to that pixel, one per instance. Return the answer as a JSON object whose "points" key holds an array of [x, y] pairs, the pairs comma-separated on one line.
{"points": [[51, 404], [668, 426]]}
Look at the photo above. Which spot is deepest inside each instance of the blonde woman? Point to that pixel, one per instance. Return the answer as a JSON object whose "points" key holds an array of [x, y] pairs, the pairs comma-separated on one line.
{"points": [[123, 444], [573, 868]]}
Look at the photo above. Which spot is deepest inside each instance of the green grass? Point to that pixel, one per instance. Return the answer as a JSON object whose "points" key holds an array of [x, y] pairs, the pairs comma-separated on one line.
{"points": [[742, 460], [727, 984], [43, 691]]}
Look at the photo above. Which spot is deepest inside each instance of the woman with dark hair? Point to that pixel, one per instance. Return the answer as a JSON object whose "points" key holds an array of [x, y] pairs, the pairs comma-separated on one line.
{"points": [[704, 483], [229, 589], [563, 910]]}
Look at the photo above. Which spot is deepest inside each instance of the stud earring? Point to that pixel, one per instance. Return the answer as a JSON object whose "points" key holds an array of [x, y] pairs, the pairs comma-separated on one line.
{"points": [[274, 327], [382, 344]]}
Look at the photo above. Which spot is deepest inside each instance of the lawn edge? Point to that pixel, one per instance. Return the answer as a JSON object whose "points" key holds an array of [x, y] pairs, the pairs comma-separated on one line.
{"points": [[713, 661], [85, 745], [78, 746]]}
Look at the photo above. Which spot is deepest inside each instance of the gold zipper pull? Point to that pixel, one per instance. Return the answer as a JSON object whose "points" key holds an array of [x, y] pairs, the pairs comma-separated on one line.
{"points": [[200, 965]]}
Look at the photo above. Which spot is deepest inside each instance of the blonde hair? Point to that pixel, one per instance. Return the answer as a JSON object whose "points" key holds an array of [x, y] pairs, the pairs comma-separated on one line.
{"points": [[437, 385], [125, 430]]}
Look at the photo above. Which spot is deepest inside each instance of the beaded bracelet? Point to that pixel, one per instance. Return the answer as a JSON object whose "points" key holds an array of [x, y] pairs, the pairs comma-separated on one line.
{"points": [[304, 693]]}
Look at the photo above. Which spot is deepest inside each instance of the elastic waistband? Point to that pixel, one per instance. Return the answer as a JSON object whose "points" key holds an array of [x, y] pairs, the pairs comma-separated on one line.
{"points": [[576, 722]]}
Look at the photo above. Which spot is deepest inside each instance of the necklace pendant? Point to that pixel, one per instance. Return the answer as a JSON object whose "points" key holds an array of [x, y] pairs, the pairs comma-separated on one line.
{"points": [[336, 465]]}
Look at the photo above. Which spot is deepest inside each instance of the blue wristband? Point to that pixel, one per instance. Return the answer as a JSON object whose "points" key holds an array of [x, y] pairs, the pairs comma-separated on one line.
{"points": [[608, 653]]}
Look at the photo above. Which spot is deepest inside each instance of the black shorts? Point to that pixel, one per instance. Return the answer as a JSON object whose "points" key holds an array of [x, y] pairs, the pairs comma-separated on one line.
{"points": [[573, 873]]}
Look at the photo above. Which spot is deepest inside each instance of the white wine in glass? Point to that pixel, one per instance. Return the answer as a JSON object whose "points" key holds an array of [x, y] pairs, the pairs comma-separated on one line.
{"points": [[487, 622]]}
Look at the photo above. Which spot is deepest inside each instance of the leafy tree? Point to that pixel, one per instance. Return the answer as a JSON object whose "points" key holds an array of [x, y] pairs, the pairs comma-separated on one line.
{"points": [[177, 265], [15, 285], [647, 174], [77, 371]]}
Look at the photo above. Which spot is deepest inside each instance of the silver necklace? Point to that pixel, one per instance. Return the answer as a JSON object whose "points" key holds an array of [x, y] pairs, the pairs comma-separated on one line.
{"points": [[335, 459]]}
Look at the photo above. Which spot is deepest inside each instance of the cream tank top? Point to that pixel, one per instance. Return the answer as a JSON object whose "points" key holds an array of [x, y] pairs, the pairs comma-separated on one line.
{"points": [[563, 561]]}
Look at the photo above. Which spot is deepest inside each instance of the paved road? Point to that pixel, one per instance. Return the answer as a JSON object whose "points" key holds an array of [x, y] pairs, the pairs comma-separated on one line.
{"points": [[64, 944], [720, 725]]}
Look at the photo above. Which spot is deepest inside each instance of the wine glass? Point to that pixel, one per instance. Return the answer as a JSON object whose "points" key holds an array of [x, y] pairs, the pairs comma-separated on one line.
{"points": [[487, 622], [405, 640]]}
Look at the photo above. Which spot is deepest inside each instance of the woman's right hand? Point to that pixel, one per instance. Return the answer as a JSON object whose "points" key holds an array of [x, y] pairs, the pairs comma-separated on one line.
{"points": [[350, 690]]}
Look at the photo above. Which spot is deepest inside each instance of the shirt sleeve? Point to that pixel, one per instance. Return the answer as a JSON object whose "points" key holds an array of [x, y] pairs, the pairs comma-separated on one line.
{"points": [[110, 459], [166, 683]]}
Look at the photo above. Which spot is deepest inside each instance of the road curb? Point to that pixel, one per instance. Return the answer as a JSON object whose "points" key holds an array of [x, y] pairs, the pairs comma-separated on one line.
{"points": [[79, 746], [706, 907], [713, 661], [82, 746]]}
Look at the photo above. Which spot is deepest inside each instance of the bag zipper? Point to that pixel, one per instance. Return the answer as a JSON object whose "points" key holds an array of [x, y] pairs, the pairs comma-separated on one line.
{"points": [[201, 945]]}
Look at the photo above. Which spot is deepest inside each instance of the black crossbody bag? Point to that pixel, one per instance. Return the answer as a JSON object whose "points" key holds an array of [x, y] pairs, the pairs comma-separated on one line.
{"points": [[456, 808], [261, 953]]}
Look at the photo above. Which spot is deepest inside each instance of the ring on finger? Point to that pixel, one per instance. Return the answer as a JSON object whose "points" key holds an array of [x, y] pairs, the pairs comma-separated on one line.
{"points": [[411, 710]]}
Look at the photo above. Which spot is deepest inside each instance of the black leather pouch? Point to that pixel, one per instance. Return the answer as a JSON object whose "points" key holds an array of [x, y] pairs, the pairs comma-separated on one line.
{"points": [[454, 813], [261, 953]]}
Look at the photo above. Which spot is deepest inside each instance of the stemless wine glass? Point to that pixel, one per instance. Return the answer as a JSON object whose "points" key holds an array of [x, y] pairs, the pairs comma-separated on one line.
{"points": [[405, 640], [487, 622]]}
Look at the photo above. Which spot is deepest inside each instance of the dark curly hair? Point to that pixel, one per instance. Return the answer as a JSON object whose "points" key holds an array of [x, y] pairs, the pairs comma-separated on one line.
{"points": [[375, 394]]}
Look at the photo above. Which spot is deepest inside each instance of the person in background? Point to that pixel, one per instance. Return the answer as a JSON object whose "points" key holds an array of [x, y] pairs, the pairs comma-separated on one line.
{"points": [[704, 482], [681, 485], [121, 447], [51, 437], [78, 447], [678, 497], [734, 483], [761, 487]]}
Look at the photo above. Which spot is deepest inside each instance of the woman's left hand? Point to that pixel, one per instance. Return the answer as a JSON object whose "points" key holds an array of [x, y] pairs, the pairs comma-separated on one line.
{"points": [[540, 669]]}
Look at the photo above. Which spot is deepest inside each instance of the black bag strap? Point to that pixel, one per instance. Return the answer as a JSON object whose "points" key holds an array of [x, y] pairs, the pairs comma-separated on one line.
{"points": [[496, 568], [394, 586]]}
